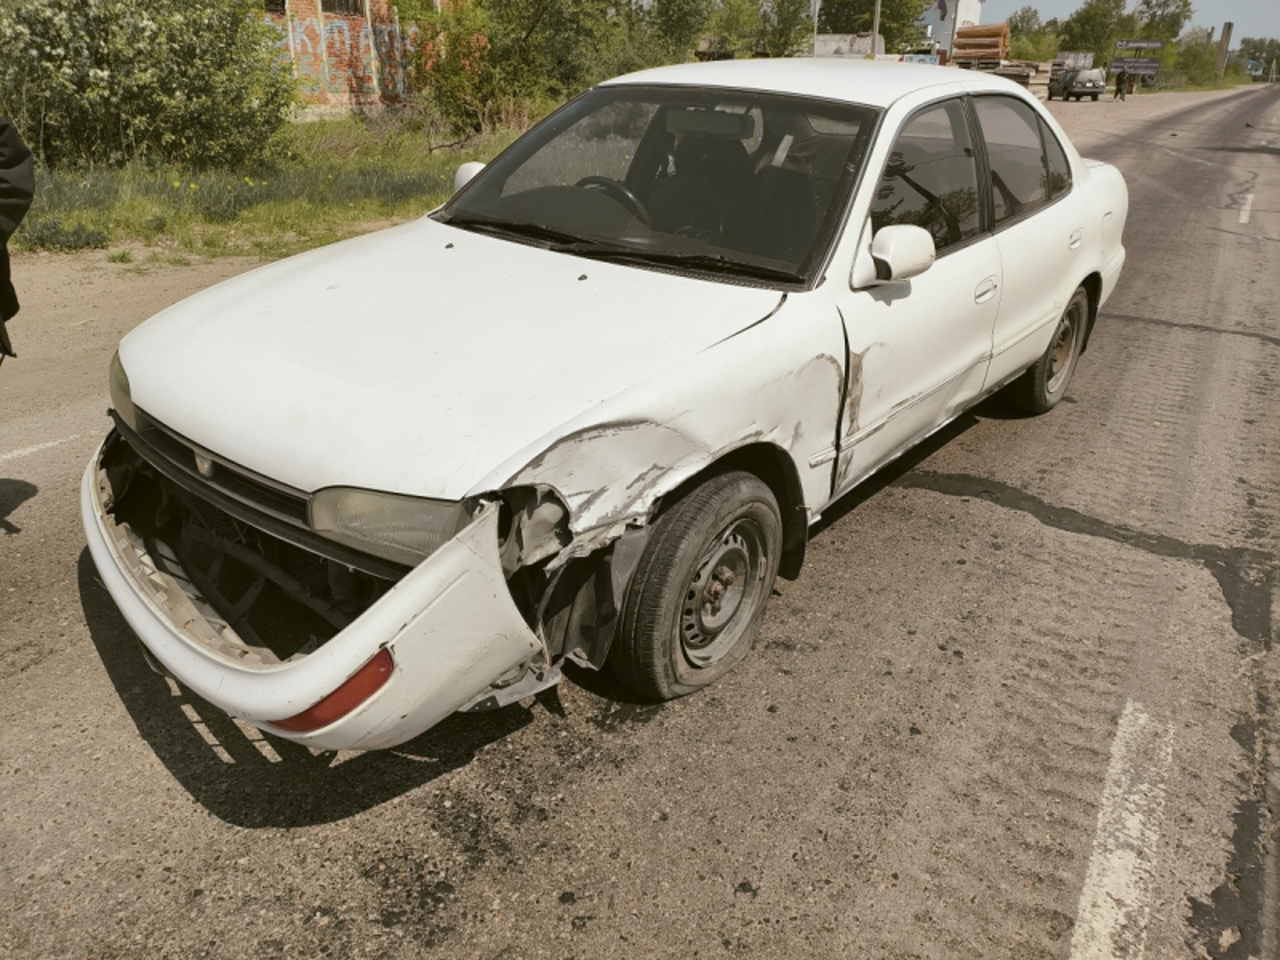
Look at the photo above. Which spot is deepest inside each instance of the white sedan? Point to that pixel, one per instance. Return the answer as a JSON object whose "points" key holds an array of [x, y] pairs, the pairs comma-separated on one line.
{"points": [[588, 409]]}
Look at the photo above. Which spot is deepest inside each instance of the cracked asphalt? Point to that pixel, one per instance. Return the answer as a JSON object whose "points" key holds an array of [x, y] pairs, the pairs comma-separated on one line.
{"points": [[1021, 703]]}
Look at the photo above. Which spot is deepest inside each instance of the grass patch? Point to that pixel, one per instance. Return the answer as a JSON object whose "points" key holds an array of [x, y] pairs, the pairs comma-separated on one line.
{"points": [[338, 176]]}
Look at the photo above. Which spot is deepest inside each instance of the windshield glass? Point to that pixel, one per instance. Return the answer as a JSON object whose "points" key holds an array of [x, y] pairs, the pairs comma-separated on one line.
{"points": [[735, 183]]}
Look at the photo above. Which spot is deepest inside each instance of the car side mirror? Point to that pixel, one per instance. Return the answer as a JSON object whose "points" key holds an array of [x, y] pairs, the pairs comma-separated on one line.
{"points": [[465, 173], [901, 252]]}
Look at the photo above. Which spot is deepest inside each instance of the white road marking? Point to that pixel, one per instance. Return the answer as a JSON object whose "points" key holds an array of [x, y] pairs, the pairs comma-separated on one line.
{"points": [[1111, 919], [1246, 209], [25, 451]]}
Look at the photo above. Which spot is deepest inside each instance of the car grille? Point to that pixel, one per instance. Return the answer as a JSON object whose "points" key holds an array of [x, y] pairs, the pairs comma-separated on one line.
{"points": [[283, 502], [272, 507]]}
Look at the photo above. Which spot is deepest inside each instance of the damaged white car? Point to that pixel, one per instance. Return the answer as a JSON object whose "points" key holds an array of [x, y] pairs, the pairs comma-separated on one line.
{"points": [[589, 408]]}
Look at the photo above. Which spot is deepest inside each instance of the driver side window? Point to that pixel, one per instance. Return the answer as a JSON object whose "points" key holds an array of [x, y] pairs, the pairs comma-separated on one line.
{"points": [[599, 145], [931, 179]]}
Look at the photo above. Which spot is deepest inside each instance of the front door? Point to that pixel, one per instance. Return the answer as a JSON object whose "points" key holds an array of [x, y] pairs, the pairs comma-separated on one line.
{"points": [[919, 350]]}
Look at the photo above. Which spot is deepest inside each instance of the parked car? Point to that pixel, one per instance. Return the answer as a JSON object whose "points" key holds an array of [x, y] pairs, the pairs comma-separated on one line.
{"points": [[1078, 83], [589, 408]]}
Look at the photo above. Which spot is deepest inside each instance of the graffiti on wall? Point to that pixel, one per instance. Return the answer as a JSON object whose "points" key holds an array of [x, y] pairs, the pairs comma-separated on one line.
{"points": [[344, 61]]}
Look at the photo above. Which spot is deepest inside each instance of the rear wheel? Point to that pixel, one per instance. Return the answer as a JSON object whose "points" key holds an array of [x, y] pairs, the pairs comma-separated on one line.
{"points": [[1045, 383], [698, 595]]}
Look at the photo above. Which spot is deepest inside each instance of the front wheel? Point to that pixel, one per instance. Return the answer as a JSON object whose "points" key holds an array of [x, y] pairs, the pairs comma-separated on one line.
{"points": [[1045, 383], [698, 595], [1095, 98]]}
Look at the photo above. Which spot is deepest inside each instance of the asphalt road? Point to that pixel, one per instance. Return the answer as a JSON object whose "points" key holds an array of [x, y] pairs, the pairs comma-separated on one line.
{"points": [[1021, 704]]}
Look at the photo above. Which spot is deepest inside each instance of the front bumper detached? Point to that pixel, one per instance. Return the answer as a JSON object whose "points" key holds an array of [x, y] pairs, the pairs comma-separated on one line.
{"points": [[450, 627]]}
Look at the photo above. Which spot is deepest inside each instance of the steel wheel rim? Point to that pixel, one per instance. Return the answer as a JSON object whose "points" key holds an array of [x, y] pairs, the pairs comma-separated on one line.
{"points": [[722, 594], [1063, 352]]}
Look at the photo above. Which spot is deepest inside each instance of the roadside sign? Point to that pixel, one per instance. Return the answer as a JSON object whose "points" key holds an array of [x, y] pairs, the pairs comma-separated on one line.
{"points": [[1140, 45], [1076, 60], [1142, 65]]}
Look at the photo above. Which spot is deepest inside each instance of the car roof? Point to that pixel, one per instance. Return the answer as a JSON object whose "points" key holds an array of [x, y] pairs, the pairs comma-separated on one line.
{"points": [[875, 83]]}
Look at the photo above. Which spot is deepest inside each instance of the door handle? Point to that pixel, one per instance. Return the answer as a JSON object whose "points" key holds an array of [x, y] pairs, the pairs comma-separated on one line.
{"points": [[1077, 238], [986, 290]]}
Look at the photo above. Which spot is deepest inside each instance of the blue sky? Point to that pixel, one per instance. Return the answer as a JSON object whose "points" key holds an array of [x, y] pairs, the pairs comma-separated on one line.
{"points": [[1252, 18]]}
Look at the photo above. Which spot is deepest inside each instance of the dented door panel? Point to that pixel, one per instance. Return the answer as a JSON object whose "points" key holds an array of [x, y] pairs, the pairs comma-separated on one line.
{"points": [[920, 350]]}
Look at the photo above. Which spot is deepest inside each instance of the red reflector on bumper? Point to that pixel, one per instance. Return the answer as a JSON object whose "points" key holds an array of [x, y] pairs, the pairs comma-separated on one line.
{"points": [[361, 685]]}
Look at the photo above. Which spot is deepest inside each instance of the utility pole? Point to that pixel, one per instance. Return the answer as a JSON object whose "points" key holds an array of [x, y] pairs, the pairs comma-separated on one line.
{"points": [[875, 32], [1224, 49]]}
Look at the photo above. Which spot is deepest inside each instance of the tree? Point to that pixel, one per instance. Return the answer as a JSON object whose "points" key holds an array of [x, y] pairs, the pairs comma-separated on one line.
{"points": [[1041, 45], [200, 82], [1024, 23], [680, 23], [1163, 19], [1264, 51], [899, 20], [1096, 26], [1197, 55], [737, 27], [785, 26]]}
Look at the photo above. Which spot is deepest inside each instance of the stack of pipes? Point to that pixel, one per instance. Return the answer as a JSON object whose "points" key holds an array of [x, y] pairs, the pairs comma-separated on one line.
{"points": [[976, 45]]}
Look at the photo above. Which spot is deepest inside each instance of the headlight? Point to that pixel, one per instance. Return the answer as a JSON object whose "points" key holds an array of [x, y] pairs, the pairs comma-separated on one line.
{"points": [[403, 529], [121, 396]]}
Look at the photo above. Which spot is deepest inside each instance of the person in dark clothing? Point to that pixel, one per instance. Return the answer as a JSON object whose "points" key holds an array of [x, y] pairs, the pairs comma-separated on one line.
{"points": [[1122, 84], [17, 185]]}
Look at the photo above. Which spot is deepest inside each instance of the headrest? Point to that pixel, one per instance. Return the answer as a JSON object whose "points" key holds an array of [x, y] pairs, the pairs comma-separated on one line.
{"points": [[710, 156]]}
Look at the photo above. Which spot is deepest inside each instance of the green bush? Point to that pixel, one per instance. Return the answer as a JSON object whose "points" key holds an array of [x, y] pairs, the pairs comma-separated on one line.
{"points": [[51, 235], [197, 82]]}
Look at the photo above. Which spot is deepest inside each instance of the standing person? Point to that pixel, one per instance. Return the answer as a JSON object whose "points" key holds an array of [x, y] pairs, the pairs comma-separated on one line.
{"points": [[17, 185], [1122, 84]]}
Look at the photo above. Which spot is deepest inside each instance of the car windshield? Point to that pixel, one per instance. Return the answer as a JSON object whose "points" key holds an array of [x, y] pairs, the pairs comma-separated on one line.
{"points": [[733, 183]]}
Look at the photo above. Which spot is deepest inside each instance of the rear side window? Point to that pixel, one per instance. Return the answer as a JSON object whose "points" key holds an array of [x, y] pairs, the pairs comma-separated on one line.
{"points": [[1059, 168], [931, 180], [1019, 173]]}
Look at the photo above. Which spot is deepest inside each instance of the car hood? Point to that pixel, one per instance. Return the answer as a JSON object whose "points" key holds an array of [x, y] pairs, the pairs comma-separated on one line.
{"points": [[416, 359]]}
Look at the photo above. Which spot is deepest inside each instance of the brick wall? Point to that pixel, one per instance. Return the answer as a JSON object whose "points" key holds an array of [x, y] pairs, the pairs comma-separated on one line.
{"points": [[347, 60]]}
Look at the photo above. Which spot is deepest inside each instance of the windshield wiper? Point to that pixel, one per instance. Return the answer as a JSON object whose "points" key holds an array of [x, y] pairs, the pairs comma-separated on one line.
{"points": [[711, 263], [561, 241], [516, 228]]}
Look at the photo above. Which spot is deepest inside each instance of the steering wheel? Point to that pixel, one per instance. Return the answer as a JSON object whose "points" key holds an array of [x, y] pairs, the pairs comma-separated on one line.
{"points": [[619, 191]]}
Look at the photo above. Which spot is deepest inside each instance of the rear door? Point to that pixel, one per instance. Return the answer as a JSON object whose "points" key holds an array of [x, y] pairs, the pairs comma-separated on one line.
{"points": [[1040, 232]]}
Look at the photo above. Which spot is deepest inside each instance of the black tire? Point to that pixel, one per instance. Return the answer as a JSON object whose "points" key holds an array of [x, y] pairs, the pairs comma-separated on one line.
{"points": [[1050, 95], [1045, 382], [718, 546], [1095, 98]]}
